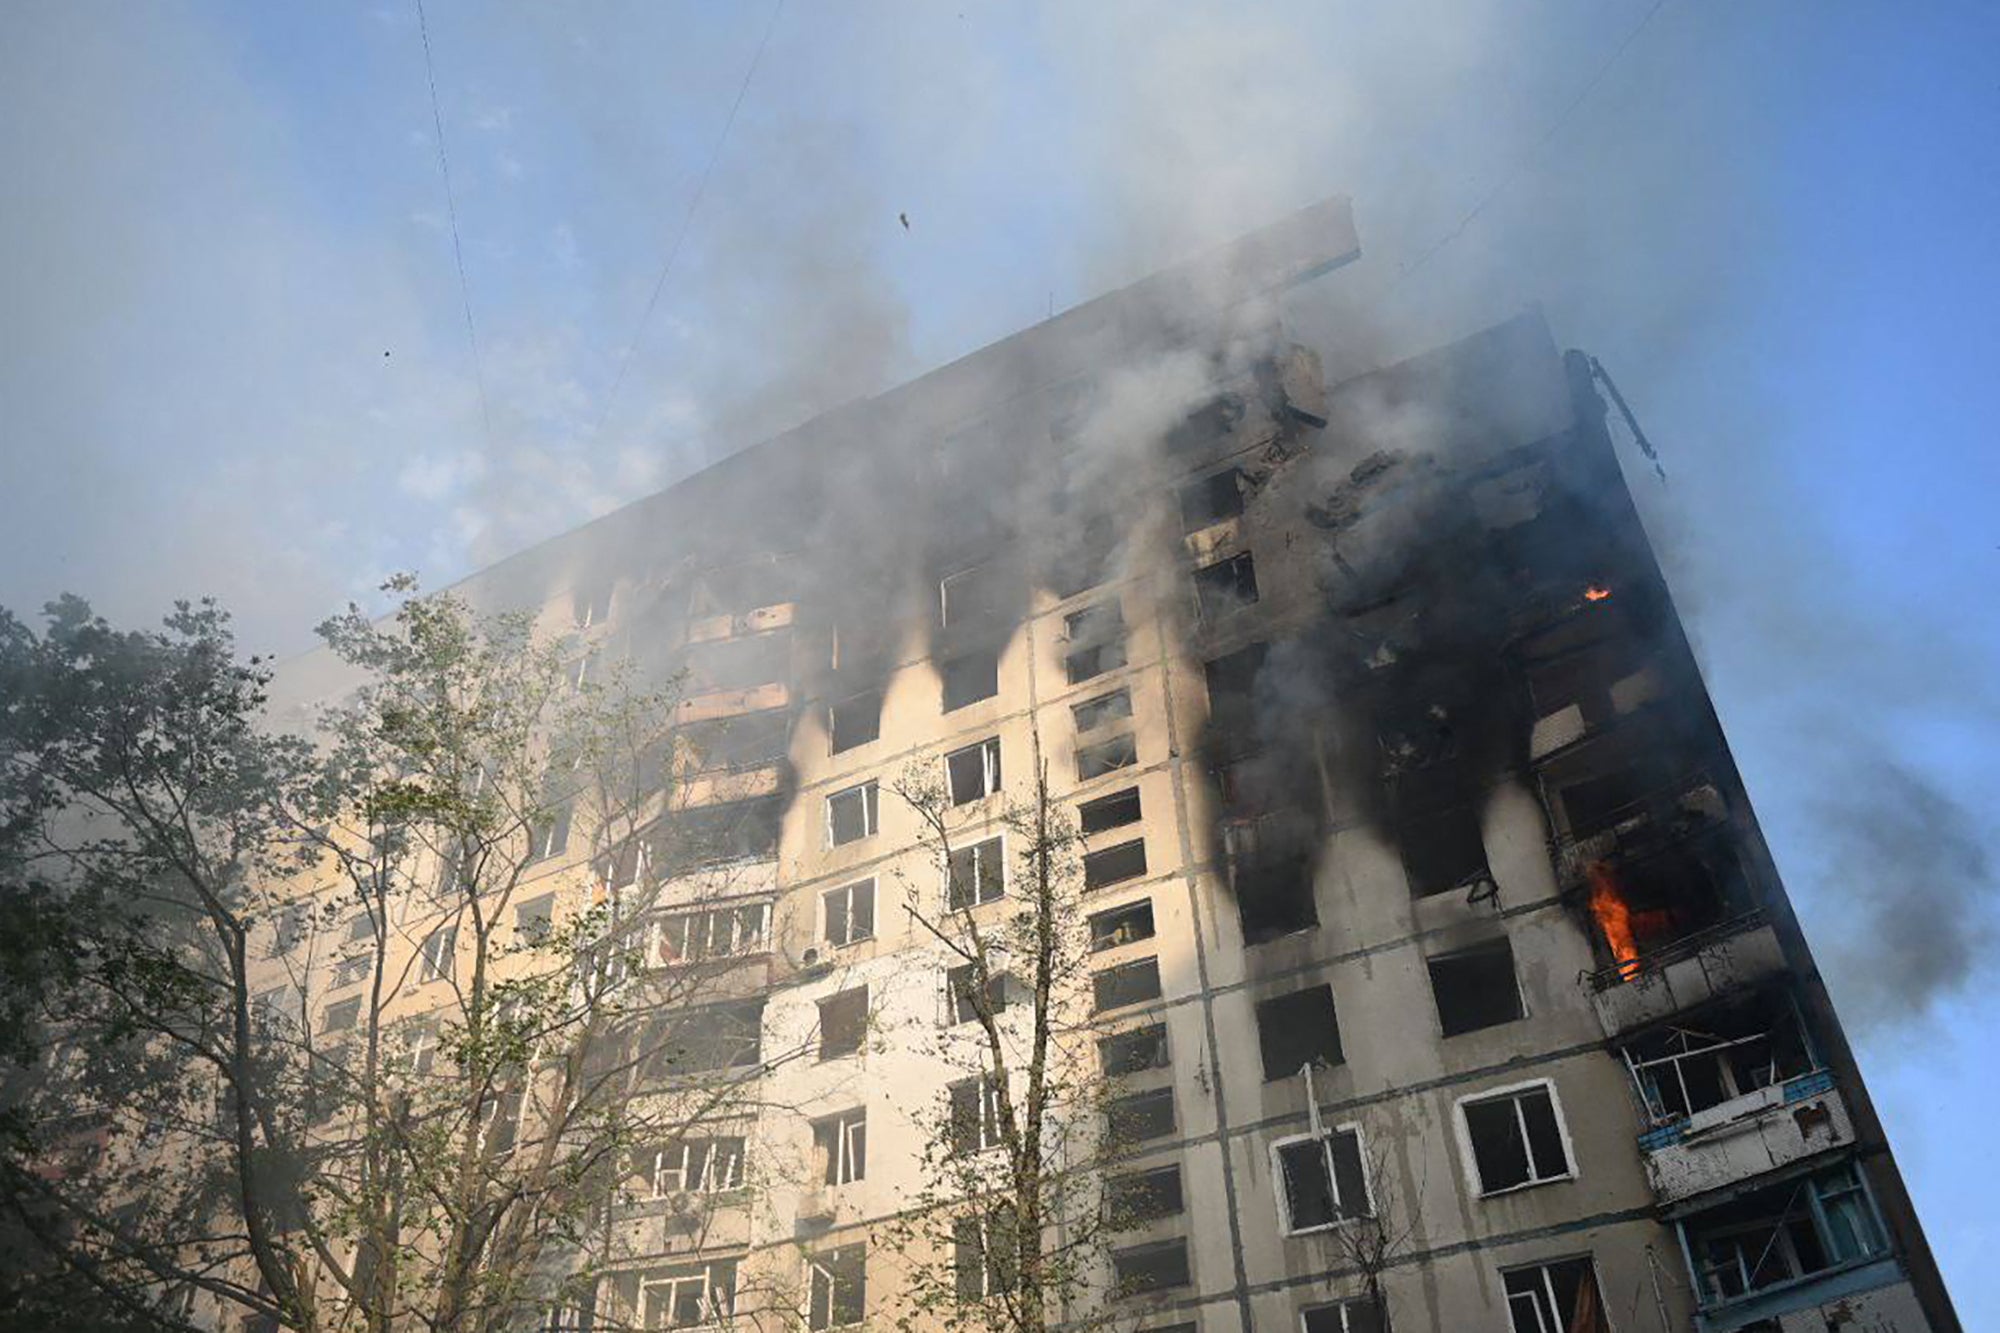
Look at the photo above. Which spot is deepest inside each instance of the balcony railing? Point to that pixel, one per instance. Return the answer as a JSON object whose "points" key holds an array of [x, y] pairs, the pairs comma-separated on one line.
{"points": [[1656, 960]]}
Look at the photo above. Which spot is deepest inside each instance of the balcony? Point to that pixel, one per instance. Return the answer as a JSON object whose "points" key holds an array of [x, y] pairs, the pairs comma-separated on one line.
{"points": [[1637, 826], [714, 704], [1747, 1137], [723, 786], [1728, 957], [712, 629]]}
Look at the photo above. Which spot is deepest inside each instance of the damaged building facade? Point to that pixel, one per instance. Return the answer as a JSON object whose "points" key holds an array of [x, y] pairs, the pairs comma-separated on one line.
{"points": [[1419, 879]]}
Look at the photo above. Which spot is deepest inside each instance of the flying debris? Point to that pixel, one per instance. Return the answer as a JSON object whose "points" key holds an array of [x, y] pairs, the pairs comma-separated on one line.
{"points": [[904, 218]]}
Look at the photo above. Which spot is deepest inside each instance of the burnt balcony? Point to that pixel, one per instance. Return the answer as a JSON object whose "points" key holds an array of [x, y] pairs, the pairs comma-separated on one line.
{"points": [[1728, 957], [731, 625], [713, 704], [1747, 1136], [1628, 816]]}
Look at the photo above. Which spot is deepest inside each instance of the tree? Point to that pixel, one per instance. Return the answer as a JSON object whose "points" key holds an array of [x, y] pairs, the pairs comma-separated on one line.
{"points": [[1010, 1227], [440, 1146]]}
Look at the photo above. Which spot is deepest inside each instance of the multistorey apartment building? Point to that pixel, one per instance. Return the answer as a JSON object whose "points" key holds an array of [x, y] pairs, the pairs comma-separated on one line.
{"points": [[1419, 880]]}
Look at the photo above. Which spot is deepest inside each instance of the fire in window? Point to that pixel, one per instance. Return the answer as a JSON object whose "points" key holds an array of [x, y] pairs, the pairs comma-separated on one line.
{"points": [[843, 1023], [1321, 1181], [975, 874], [1516, 1138], [841, 1144], [851, 814], [1475, 988], [1297, 1030], [974, 772], [1226, 586], [849, 912], [839, 1294]]}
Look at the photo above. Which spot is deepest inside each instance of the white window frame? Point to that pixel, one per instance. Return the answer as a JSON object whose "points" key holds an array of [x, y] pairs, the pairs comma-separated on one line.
{"points": [[870, 809], [440, 955], [989, 770], [944, 892], [989, 1286], [351, 970], [1470, 1160], [845, 1125], [740, 944], [704, 1274], [819, 1268], [1325, 1140], [1548, 1291], [847, 890], [489, 1118], [707, 1180], [422, 1049], [991, 1135]]}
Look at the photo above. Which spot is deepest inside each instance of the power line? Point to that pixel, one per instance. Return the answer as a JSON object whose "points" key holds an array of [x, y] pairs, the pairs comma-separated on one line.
{"points": [[1527, 159], [451, 213], [687, 221]]}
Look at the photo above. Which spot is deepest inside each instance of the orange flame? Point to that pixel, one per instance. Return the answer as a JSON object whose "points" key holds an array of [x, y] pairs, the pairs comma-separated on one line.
{"points": [[1596, 592], [1614, 918]]}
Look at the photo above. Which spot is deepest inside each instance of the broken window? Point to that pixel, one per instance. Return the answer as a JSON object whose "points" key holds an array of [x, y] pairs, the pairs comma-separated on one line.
{"points": [[1355, 1316], [839, 1293], [438, 950], [1297, 1030], [1094, 761], [1271, 877], [849, 912], [720, 1036], [1143, 1196], [961, 991], [1148, 1268], [1141, 1116], [1121, 925], [716, 835], [1226, 586], [1591, 805], [971, 677], [1320, 1179], [1094, 713], [841, 1143], [1114, 865], [1211, 499], [548, 833], [1517, 1138], [342, 1015], [855, 720], [1442, 849], [1475, 988], [738, 663], [1782, 1233], [976, 596], [974, 1121], [698, 1166], [1659, 891], [350, 971], [974, 772], [620, 867], [1133, 1052], [843, 1023], [1096, 636], [850, 814], [976, 874], [1232, 689], [690, 1295], [749, 740], [716, 932], [1732, 1053], [1126, 984], [1086, 558], [1109, 812], [983, 1246], [1560, 1297], [535, 918]]}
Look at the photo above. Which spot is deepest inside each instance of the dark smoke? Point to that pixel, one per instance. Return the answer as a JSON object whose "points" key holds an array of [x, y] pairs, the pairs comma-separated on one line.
{"points": [[1916, 881]]}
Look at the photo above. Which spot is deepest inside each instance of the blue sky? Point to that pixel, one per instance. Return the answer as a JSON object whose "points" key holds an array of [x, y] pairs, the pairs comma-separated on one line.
{"points": [[1773, 221]]}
